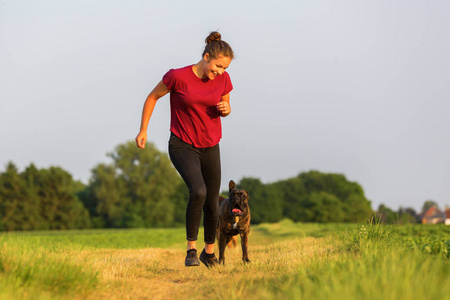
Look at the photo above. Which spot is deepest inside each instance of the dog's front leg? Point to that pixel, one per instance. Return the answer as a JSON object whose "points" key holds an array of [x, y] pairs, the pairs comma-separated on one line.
{"points": [[244, 244], [222, 245]]}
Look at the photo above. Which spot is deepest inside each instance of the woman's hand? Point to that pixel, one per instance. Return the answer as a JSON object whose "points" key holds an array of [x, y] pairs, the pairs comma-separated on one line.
{"points": [[141, 138], [224, 106]]}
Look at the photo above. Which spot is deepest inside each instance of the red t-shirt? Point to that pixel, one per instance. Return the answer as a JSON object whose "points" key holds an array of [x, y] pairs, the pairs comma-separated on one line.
{"points": [[194, 116]]}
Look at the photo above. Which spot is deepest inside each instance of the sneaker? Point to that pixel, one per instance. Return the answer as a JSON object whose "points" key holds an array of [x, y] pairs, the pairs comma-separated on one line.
{"points": [[208, 261], [191, 258]]}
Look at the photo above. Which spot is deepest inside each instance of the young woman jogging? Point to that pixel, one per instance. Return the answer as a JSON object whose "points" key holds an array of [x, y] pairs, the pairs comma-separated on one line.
{"points": [[199, 97]]}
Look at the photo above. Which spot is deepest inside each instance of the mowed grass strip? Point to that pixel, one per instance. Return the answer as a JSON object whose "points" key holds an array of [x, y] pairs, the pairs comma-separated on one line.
{"points": [[161, 274]]}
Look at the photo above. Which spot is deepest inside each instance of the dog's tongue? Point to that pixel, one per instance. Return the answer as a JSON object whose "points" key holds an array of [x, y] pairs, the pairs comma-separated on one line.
{"points": [[236, 210]]}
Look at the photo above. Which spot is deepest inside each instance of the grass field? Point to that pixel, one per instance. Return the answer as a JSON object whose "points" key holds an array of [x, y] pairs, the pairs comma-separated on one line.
{"points": [[289, 261]]}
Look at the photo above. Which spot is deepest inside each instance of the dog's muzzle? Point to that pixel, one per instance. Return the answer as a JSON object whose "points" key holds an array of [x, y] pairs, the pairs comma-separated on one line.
{"points": [[237, 209], [236, 212]]}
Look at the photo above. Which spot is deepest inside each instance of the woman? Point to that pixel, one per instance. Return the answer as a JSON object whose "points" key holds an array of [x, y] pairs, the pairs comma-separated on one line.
{"points": [[199, 96]]}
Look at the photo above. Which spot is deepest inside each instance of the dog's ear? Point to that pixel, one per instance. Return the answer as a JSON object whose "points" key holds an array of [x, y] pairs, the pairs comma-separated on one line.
{"points": [[231, 185]]}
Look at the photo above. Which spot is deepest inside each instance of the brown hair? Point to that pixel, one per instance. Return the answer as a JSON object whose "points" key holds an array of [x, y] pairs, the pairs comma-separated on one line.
{"points": [[216, 47]]}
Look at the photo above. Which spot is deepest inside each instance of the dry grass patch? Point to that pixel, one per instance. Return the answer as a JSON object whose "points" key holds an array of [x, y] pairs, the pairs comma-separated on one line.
{"points": [[161, 274]]}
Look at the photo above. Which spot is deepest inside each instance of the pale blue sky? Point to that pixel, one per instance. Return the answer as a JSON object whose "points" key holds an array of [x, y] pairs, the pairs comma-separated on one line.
{"points": [[354, 87]]}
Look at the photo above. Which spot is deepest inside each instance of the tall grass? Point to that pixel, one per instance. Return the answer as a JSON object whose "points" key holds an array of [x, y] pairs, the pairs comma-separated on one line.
{"points": [[378, 274], [372, 235], [37, 273], [373, 261]]}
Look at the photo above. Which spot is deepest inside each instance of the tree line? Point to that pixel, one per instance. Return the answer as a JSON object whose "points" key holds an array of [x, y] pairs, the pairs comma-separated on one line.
{"points": [[404, 215], [140, 188]]}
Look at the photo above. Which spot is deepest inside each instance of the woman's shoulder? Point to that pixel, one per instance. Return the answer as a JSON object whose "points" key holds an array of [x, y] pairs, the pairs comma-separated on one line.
{"points": [[226, 76], [180, 71], [175, 78]]}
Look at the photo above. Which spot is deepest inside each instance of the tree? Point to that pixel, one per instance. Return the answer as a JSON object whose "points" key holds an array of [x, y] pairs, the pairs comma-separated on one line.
{"points": [[105, 197], [31, 179], [266, 204], [39, 199], [13, 200], [429, 204], [407, 215], [386, 214], [179, 198], [59, 205], [310, 197], [292, 191], [352, 200], [321, 207], [139, 189]]}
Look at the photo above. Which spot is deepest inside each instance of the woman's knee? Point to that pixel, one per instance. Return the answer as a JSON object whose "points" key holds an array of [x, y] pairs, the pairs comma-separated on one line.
{"points": [[198, 194], [211, 208]]}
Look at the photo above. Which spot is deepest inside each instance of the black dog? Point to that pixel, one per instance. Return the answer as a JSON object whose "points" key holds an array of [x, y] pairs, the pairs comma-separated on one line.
{"points": [[234, 219]]}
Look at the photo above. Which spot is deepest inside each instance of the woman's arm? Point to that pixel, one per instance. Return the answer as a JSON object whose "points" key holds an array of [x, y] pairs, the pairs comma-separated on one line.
{"points": [[224, 105], [159, 91]]}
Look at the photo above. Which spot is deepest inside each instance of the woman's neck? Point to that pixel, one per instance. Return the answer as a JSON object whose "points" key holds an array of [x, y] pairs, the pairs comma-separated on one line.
{"points": [[198, 69]]}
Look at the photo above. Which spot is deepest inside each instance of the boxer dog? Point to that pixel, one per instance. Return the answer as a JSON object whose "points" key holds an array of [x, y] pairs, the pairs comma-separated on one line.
{"points": [[234, 219]]}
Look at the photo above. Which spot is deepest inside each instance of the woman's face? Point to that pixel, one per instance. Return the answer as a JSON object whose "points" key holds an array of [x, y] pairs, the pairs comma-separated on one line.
{"points": [[215, 66]]}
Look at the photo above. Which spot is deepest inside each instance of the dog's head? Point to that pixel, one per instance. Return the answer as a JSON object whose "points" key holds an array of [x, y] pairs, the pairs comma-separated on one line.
{"points": [[238, 199]]}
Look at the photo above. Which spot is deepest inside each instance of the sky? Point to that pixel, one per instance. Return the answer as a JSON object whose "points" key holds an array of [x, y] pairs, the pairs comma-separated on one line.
{"points": [[359, 88]]}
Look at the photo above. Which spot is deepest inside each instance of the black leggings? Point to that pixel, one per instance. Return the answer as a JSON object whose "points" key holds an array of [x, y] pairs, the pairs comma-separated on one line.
{"points": [[200, 170]]}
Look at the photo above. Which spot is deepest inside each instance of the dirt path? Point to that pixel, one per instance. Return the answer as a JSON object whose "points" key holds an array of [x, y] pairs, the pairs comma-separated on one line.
{"points": [[161, 274]]}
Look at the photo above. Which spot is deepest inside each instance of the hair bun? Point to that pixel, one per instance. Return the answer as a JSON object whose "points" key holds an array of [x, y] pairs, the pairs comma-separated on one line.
{"points": [[213, 37], [215, 47]]}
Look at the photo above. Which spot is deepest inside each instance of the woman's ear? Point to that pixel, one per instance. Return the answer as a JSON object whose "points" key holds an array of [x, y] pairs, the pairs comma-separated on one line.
{"points": [[206, 57]]}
